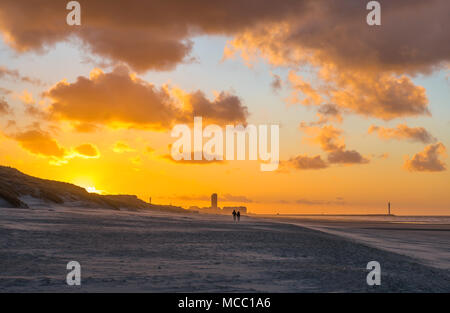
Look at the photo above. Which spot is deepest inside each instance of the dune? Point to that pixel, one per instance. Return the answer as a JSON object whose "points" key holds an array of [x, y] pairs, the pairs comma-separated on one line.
{"points": [[18, 190]]}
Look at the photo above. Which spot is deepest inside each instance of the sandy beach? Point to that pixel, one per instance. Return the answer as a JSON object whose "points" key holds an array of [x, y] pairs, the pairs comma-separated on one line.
{"points": [[163, 252], [425, 238]]}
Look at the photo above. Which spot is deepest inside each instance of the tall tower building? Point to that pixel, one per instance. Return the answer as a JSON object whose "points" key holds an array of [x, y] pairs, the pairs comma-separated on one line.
{"points": [[214, 201]]}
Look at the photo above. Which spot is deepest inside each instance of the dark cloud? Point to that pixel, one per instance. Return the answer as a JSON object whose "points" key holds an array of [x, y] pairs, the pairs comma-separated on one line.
{"points": [[276, 82], [4, 107], [362, 69], [329, 110], [401, 45], [402, 131], [15, 75], [304, 162], [234, 198], [5, 91], [156, 34], [325, 113], [341, 156], [338, 201], [225, 108], [144, 34]]}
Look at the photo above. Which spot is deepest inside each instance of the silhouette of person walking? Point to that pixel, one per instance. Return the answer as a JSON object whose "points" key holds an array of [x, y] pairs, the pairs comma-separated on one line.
{"points": [[238, 216], [234, 215]]}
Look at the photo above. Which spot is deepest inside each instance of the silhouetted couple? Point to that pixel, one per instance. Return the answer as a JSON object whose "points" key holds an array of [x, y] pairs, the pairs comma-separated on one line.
{"points": [[236, 215]]}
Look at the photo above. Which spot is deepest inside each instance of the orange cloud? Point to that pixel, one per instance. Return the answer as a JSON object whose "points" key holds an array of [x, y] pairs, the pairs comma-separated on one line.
{"points": [[30, 105], [383, 156], [121, 99], [329, 139], [113, 99], [136, 160], [354, 66], [121, 147], [402, 131], [203, 161], [85, 127], [87, 150], [27, 98], [40, 143], [308, 94], [367, 93], [149, 150], [379, 95], [427, 160], [358, 69]]}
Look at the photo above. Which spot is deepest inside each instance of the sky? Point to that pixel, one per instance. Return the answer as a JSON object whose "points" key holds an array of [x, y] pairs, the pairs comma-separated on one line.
{"points": [[363, 110]]}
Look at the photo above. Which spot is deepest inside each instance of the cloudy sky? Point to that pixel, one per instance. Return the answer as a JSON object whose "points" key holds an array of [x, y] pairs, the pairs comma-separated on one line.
{"points": [[363, 110]]}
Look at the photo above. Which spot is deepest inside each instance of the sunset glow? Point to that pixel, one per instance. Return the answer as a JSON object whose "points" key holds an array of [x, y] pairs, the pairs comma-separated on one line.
{"points": [[92, 189], [358, 127]]}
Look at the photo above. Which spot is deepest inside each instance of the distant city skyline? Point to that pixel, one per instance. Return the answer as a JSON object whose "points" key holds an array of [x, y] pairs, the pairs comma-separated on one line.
{"points": [[215, 209]]}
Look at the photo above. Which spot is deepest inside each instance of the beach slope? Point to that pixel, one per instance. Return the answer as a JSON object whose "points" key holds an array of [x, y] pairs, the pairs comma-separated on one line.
{"points": [[163, 252]]}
